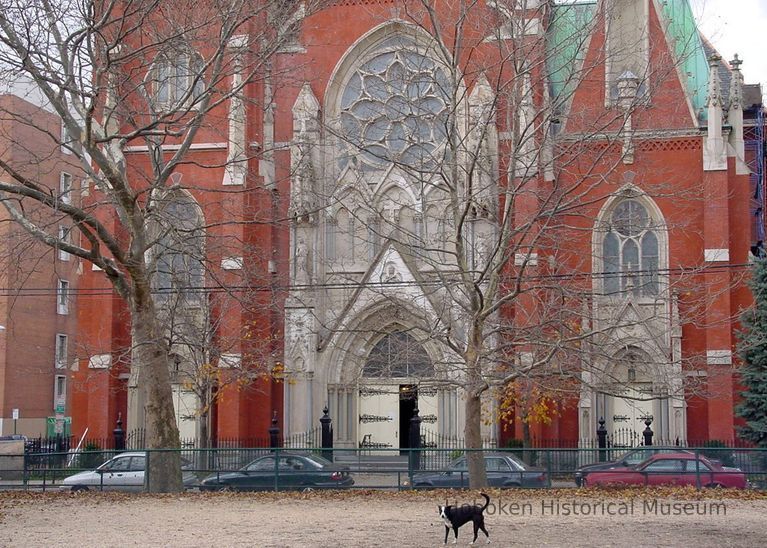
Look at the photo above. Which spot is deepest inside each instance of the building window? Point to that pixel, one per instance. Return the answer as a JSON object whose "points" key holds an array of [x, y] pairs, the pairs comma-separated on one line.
{"points": [[66, 139], [352, 228], [331, 228], [62, 297], [65, 188], [179, 253], [177, 79], [374, 238], [630, 251], [394, 107], [64, 238], [398, 355], [61, 351], [445, 232], [60, 390]]}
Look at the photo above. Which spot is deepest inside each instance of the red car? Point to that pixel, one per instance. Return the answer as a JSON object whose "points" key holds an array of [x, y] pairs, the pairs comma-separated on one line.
{"points": [[670, 469]]}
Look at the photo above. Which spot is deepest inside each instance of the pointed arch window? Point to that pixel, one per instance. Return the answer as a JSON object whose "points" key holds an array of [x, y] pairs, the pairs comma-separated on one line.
{"points": [[631, 251], [177, 78], [331, 240], [179, 251], [398, 354]]}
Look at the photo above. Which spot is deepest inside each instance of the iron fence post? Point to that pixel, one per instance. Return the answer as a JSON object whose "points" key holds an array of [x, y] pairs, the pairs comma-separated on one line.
{"points": [[25, 472], [147, 473], [274, 433], [276, 464], [119, 434], [327, 434], [697, 470], [415, 441], [602, 440], [647, 433], [548, 467]]}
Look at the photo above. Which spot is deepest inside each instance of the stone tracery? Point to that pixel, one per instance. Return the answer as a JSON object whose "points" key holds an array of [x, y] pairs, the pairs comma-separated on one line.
{"points": [[394, 107]]}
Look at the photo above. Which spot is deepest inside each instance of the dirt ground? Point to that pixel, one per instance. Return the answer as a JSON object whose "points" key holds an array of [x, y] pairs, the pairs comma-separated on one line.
{"points": [[553, 518]]}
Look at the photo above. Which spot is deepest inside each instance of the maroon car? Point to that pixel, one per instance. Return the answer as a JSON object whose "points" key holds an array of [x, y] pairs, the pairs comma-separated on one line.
{"points": [[670, 469]]}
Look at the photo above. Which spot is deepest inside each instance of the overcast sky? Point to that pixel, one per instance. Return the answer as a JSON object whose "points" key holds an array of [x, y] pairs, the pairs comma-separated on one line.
{"points": [[737, 26]]}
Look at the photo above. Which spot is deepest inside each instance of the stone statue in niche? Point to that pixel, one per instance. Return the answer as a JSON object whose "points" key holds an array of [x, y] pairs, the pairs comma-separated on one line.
{"points": [[299, 337], [391, 275], [302, 187], [302, 266], [305, 138]]}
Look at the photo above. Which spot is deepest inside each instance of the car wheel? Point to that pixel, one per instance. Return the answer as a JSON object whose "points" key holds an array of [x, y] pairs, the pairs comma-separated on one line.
{"points": [[307, 489], [226, 489], [714, 486], [584, 483], [79, 488], [423, 486]]}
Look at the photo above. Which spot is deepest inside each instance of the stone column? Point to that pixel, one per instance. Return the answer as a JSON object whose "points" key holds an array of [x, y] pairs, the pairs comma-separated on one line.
{"points": [[236, 159]]}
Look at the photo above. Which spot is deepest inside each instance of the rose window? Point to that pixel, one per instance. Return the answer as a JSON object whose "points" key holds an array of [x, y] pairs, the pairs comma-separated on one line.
{"points": [[394, 109]]}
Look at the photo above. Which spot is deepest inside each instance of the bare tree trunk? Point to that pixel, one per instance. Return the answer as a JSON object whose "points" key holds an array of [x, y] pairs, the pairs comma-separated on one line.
{"points": [[526, 440], [163, 467], [473, 427], [473, 434]]}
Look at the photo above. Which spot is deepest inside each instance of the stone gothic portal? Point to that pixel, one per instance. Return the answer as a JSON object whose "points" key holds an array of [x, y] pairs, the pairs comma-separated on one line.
{"points": [[397, 378]]}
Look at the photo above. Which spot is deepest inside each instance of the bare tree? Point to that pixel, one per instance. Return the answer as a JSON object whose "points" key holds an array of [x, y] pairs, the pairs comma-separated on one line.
{"points": [[135, 84]]}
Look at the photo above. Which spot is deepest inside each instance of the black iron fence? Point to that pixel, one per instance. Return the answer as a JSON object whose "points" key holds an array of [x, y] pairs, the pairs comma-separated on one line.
{"points": [[426, 450], [437, 451]]}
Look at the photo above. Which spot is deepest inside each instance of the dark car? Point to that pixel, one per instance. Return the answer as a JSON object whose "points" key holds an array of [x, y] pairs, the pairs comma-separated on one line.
{"points": [[629, 459], [503, 470], [670, 469], [289, 471]]}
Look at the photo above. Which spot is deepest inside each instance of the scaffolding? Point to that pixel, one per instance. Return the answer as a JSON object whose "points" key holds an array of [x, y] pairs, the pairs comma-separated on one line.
{"points": [[757, 181]]}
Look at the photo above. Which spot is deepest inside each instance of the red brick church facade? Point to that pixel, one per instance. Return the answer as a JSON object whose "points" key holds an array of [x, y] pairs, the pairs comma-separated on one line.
{"points": [[684, 157]]}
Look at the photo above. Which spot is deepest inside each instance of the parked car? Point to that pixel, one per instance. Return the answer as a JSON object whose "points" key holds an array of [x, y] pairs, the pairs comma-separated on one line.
{"points": [[123, 472], [629, 459], [291, 471], [670, 469], [503, 470]]}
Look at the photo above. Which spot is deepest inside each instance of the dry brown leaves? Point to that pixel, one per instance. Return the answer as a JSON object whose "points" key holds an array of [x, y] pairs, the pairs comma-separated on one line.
{"points": [[14, 498]]}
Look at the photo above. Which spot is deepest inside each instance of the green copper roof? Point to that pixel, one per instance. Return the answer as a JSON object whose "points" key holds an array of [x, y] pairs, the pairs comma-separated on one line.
{"points": [[572, 24], [685, 41], [568, 35]]}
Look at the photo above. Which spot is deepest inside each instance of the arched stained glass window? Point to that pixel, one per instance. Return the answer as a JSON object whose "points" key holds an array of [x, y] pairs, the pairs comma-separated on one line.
{"points": [[398, 355], [394, 107], [177, 78], [630, 251], [179, 252]]}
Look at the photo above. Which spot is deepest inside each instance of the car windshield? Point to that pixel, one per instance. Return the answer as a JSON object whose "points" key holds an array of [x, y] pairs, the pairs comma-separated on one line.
{"points": [[263, 464], [318, 461], [515, 463], [121, 463], [492, 464], [638, 456], [459, 466]]}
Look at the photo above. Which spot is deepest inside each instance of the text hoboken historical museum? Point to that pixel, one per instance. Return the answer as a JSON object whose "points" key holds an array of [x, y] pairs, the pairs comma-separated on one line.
{"points": [[628, 507]]}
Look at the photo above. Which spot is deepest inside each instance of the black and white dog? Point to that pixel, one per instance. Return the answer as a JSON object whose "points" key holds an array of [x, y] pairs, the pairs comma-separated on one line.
{"points": [[457, 516]]}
